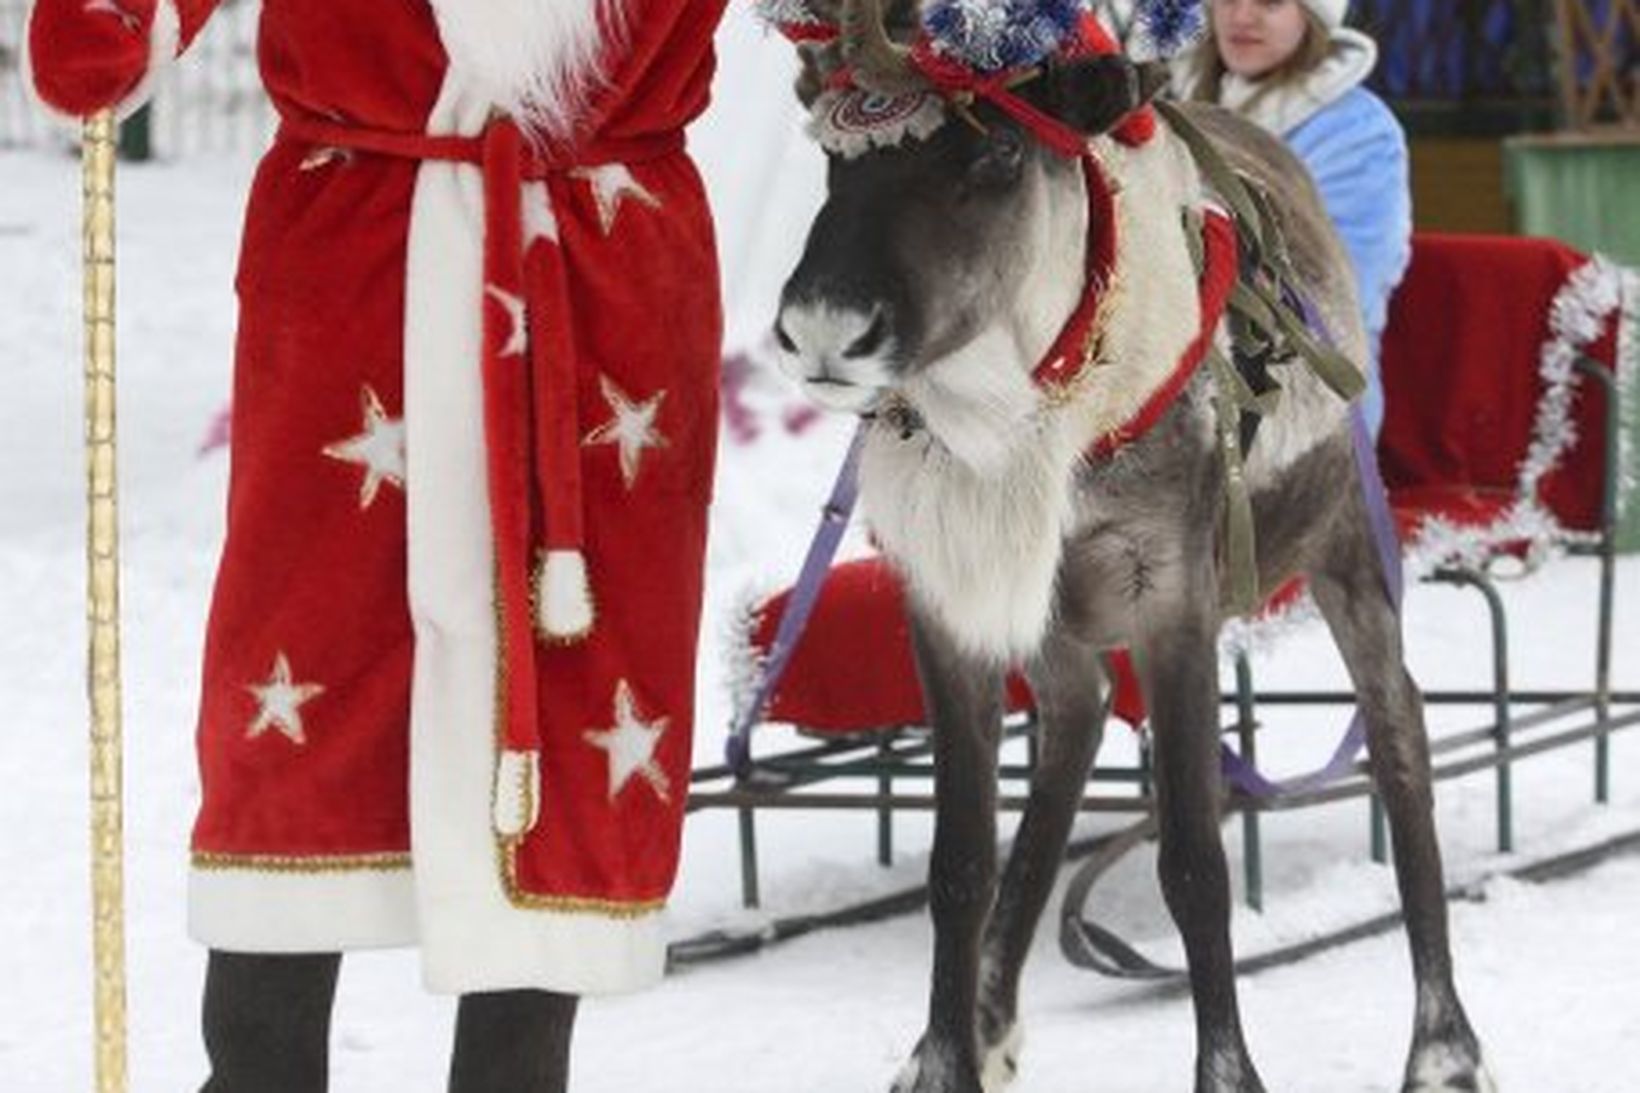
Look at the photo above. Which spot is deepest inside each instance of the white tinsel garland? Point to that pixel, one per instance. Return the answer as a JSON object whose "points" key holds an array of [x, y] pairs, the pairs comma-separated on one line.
{"points": [[746, 660], [1628, 394]]}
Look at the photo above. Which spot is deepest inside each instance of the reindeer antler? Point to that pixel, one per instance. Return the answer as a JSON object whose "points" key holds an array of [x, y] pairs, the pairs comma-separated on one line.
{"points": [[878, 63]]}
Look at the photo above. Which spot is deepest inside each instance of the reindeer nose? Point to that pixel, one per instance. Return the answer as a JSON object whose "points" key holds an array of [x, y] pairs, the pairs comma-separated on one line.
{"points": [[867, 344], [824, 334]]}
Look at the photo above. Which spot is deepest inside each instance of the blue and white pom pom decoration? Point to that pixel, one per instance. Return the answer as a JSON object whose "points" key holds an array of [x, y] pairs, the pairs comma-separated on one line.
{"points": [[1170, 26], [997, 35]]}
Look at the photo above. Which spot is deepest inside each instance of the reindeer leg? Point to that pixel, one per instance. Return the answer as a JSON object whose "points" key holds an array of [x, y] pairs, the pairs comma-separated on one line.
{"points": [[964, 699], [1445, 1055], [1065, 680], [1178, 660]]}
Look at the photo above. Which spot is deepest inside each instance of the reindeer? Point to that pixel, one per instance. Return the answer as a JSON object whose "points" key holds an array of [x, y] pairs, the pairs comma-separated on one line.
{"points": [[937, 274]]}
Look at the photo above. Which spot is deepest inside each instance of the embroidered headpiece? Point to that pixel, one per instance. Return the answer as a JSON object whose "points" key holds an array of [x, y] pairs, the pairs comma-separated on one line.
{"points": [[850, 122], [878, 93]]}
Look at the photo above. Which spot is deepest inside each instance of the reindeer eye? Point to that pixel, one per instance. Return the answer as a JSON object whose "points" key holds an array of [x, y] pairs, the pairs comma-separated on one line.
{"points": [[1000, 160]]}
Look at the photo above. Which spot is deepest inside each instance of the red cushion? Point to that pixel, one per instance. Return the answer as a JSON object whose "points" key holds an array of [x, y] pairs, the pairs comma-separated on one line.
{"points": [[853, 668], [1461, 360]]}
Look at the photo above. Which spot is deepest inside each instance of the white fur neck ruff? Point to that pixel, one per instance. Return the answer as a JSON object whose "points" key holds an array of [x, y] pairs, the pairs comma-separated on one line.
{"points": [[851, 123], [539, 60]]}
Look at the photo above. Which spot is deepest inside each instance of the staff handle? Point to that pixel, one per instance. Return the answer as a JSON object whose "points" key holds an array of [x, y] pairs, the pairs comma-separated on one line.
{"points": [[103, 610]]}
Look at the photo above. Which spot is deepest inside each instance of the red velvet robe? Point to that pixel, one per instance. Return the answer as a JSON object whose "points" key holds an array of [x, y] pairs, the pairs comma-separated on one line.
{"points": [[353, 724]]}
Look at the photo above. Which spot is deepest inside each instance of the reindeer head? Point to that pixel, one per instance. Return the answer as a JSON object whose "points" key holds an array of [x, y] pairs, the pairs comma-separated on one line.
{"points": [[943, 209]]}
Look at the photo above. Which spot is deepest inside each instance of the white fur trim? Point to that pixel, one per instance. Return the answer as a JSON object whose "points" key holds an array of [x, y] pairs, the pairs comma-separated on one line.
{"points": [[568, 952], [563, 596], [164, 40], [472, 936], [536, 59], [250, 910], [517, 792], [1330, 12], [1283, 108]]}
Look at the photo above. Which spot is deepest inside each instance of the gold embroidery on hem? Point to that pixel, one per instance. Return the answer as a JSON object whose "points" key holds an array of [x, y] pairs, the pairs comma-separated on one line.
{"points": [[507, 853], [292, 863]]}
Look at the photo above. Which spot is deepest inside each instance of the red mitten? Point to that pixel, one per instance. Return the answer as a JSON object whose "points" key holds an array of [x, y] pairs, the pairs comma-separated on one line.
{"points": [[87, 55]]}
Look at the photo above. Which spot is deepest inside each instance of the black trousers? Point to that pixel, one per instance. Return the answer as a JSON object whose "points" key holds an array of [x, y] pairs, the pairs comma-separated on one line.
{"points": [[267, 1030]]}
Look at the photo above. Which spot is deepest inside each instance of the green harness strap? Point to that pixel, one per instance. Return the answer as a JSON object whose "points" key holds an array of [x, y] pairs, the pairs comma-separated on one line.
{"points": [[1263, 323]]}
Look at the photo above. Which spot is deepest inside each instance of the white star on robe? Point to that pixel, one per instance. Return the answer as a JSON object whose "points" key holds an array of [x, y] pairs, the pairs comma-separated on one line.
{"points": [[280, 702], [379, 449], [631, 746], [540, 222], [632, 428], [515, 314], [611, 185]]}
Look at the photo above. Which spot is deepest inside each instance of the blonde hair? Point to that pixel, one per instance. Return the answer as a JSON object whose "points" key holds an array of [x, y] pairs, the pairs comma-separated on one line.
{"points": [[1208, 69]]}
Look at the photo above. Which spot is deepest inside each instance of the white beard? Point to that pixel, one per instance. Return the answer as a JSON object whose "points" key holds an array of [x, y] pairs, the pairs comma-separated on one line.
{"points": [[536, 59]]}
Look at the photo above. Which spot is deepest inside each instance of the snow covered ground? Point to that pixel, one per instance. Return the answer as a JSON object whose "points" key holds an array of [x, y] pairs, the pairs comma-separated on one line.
{"points": [[1551, 974]]}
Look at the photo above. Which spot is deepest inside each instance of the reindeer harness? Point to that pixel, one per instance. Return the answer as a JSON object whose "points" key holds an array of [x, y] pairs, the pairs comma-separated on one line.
{"points": [[1242, 270]]}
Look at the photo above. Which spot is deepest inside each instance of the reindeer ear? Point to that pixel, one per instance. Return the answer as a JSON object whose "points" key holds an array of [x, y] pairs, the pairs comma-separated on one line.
{"points": [[1094, 94]]}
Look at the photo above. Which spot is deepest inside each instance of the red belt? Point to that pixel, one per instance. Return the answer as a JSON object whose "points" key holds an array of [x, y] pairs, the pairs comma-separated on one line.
{"points": [[532, 434]]}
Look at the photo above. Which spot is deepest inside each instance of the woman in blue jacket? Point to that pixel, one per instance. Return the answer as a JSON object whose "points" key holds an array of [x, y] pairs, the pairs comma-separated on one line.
{"points": [[1291, 66]]}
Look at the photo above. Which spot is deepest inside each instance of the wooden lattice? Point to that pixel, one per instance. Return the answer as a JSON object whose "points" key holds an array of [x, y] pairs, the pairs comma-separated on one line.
{"points": [[1599, 72]]}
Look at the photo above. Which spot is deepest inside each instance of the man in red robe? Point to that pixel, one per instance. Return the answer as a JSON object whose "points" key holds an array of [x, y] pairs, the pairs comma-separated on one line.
{"points": [[448, 677]]}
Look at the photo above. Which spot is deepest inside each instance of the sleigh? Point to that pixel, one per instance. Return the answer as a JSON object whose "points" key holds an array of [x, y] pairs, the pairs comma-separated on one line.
{"points": [[1502, 448]]}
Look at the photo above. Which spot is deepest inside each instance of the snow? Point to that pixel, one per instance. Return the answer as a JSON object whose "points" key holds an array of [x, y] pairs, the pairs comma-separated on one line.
{"points": [[1551, 974]]}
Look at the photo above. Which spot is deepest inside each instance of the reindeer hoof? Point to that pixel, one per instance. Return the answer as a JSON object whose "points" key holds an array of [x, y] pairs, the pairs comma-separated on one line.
{"points": [[1448, 1068], [1001, 1063], [930, 1070], [1442, 1070]]}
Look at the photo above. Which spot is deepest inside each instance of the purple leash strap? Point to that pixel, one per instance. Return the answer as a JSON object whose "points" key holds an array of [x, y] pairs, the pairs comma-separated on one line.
{"points": [[834, 518], [1244, 775]]}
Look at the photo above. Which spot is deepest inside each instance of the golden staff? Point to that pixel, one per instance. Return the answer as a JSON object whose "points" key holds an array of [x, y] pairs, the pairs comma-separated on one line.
{"points": [[103, 609]]}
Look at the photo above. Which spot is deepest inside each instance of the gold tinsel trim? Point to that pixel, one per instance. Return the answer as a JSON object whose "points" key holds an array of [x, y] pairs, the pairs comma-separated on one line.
{"points": [[507, 849], [290, 863], [1060, 395]]}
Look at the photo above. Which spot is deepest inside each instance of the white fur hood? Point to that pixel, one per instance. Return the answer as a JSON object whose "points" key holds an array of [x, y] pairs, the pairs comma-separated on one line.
{"points": [[536, 59]]}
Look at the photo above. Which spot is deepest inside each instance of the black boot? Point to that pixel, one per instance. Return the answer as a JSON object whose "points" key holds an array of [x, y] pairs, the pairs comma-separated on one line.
{"points": [[513, 1042], [267, 1021]]}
